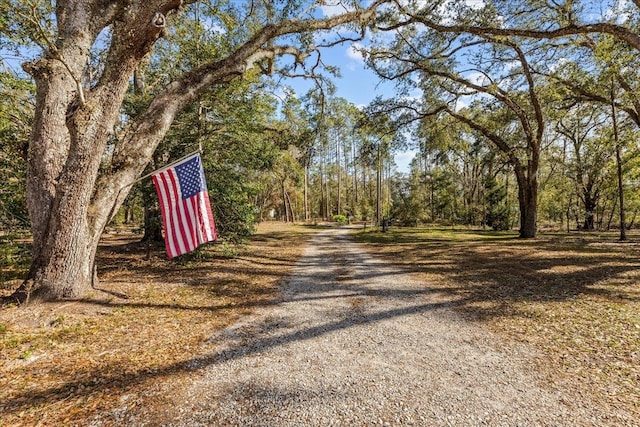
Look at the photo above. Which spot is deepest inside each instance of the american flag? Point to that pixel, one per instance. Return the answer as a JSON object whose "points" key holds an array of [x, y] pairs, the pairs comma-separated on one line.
{"points": [[185, 207]]}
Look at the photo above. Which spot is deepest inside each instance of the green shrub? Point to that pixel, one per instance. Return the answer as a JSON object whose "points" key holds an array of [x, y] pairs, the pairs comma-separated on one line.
{"points": [[340, 219]]}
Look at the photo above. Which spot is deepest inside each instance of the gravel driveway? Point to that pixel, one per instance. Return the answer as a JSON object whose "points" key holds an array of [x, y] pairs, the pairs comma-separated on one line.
{"points": [[356, 342]]}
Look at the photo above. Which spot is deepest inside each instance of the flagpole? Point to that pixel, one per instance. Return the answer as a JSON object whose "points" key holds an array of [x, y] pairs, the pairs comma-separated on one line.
{"points": [[162, 168]]}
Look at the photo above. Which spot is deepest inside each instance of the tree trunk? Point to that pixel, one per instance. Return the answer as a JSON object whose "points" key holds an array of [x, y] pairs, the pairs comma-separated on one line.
{"points": [[152, 216], [323, 198], [70, 132], [378, 189], [354, 204], [306, 193], [291, 208], [66, 226], [623, 234], [129, 216], [528, 202], [339, 178], [327, 189], [568, 214], [613, 211], [284, 202], [152, 223], [589, 208], [66, 273]]}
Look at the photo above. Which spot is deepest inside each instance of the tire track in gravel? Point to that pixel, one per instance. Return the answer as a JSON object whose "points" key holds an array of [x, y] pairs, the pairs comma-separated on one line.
{"points": [[356, 342]]}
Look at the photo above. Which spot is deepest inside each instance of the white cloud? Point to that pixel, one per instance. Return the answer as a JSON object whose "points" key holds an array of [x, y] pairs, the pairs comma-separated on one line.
{"points": [[282, 92], [447, 9], [477, 78], [403, 160], [355, 57], [355, 52], [466, 100], [463, 102], [555, 66], [217, 28], [475, 4], [334, 7], [619, 12], [512, 65]]}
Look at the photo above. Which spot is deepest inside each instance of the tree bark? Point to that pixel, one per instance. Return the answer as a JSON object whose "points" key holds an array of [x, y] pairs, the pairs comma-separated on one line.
{"points": [[339, 178], [378, 188], [284, 202], [590, 206], [306, 193], [623, 233], [527, 199]]}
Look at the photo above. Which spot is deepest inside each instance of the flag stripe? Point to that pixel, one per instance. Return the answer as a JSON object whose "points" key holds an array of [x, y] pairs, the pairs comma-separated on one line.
{"points": [[180, 217], [197, 219], [164, 198], [172, 232], [175, 221], [208, 223], [191, 220]]}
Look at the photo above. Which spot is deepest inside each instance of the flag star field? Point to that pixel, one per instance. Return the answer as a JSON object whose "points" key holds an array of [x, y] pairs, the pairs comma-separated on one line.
{"points": [[190, 177]]}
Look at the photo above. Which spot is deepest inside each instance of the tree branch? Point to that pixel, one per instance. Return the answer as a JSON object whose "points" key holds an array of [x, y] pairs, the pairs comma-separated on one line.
{"points": [[618, 31]]}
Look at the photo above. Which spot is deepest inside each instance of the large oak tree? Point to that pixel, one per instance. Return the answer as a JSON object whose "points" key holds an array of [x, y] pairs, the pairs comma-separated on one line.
{"points": [[72, 192], [450, 66]]}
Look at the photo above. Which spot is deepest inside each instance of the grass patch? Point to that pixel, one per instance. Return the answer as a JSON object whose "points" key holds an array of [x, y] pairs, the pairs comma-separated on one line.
{"points": [[15, 255], [573, 296], [146, 325], [421, 235]]}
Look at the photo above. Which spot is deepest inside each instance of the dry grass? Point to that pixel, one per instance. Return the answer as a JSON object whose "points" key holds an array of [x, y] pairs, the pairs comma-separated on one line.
{"points": [[63, 363], [574, 297]]}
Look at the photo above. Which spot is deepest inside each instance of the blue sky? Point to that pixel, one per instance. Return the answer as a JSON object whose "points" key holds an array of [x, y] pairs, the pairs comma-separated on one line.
{"points": [[360, 86], [357, 84]]}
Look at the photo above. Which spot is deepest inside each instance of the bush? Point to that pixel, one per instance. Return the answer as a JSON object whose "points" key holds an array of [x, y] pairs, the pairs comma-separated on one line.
{"points": [[341, 219]]}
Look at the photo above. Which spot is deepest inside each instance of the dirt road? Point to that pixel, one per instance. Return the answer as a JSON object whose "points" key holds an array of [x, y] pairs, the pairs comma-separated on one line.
{"points": [[356, 342]]}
